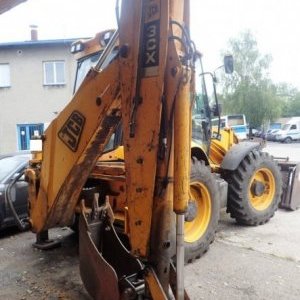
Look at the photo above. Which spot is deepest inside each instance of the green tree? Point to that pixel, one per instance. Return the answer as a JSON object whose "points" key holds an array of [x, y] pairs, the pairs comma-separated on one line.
{"points": [[290, 99], [295, 105], [249, 90]]}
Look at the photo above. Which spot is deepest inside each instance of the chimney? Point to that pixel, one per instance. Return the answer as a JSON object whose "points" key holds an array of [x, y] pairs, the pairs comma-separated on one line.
{"points": [[33, 32]]}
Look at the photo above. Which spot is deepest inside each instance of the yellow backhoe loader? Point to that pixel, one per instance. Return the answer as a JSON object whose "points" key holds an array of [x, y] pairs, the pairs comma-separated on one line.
{"points": [[145, 83], [217, 159], [147, 87]]}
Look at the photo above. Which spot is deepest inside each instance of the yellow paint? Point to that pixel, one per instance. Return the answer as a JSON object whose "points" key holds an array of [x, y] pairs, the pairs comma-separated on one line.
{"points": [[195, 229], [155, 288], [54, 193], [219, 147], [182, 140], [266, 177], [140, 151], [48, 203]]}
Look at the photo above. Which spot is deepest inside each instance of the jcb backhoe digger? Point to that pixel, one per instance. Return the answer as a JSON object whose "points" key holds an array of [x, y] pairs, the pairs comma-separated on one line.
{"points": [[147, 87], [217, 159], [144, 82]]}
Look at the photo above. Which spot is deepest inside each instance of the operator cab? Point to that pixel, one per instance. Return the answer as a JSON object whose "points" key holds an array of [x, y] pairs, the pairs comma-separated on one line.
{"points": [[206, 104], [87, 54], [201, 127]]}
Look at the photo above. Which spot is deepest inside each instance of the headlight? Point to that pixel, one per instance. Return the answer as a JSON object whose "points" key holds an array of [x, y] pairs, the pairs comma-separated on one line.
{"points": [[77, 47], [105, 37]]}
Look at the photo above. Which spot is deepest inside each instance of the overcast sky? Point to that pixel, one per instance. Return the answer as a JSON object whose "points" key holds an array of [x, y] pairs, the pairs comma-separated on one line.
{"points": [[274, 23]]}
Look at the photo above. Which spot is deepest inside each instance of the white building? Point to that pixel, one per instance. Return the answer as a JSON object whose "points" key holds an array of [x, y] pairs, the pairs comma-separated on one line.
{"points": [[36, 82]]}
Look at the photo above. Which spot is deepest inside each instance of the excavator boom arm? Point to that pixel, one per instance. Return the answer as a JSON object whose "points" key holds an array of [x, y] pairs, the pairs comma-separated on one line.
{"points": [[146, 86]]}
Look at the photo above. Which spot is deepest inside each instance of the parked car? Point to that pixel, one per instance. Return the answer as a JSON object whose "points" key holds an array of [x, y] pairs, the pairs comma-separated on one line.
{"points": [[290, 131], [11, 168], [15, 153], [271, 134], [259, 133]]}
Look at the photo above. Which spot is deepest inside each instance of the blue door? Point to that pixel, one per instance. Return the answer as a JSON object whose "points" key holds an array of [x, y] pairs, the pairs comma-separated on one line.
{"points": [[25, 132]]}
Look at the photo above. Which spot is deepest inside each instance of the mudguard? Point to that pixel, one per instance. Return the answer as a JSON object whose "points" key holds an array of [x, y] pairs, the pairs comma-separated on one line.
{"points": [[237, 153]]}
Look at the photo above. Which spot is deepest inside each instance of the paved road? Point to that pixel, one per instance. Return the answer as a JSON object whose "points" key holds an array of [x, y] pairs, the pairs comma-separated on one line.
{"points": [[284, 150], [250, 263]]}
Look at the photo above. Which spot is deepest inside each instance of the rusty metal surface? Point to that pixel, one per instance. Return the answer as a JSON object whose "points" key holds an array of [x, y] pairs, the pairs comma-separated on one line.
{"points": [[64, 208], [291, 184], [141, 112], [109, 171], [154, 285], [116, 254], [63, 171], [99, 278], [105, 263]]}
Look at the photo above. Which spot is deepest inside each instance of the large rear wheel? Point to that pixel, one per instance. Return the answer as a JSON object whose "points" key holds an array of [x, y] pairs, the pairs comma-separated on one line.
{"points": [[254, 189], [203, 211]]}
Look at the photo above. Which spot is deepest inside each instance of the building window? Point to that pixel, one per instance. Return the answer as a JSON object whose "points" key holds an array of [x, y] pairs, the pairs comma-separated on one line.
{"points": [[25, 133], [54, 72], [4, 75]]}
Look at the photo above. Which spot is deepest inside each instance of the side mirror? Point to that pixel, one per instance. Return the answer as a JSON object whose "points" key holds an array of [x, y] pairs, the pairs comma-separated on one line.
{"points": [[228, 64]]}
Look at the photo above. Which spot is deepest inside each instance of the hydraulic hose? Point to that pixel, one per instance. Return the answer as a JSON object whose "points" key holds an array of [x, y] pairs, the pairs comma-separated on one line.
{"points": [[20, 223]]}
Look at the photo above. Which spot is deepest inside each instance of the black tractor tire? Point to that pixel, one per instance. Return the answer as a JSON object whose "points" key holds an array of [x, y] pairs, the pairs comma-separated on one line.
{"points": [[200, 232], [254, 189]]}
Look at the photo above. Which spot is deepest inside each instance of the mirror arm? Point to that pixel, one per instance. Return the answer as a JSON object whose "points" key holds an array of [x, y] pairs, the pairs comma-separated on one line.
{"points": [[218, 69], [213, 76], [217, 108]]}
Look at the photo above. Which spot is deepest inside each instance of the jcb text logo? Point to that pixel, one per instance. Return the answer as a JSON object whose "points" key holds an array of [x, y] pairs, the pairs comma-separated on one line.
{"points": [[71, 131]]}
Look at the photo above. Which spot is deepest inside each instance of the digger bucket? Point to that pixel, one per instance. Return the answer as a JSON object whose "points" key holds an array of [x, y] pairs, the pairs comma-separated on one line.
{"points": [[107, 269], [291, 184]]}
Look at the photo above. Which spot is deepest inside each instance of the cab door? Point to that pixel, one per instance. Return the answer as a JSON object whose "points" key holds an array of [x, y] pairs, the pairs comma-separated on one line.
{"points": [[294, 132]]}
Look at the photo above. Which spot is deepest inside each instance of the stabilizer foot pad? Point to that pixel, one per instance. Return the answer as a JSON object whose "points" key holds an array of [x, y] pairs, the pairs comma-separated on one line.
{"points": [[44, 243]]}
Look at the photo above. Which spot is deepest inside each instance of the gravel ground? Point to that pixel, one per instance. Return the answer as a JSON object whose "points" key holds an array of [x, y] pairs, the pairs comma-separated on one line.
{"points": [[243, 263], [29, 273]]}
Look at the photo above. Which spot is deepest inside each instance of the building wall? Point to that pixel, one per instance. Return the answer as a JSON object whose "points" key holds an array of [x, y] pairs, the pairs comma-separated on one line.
{"points": [[28, 100]]}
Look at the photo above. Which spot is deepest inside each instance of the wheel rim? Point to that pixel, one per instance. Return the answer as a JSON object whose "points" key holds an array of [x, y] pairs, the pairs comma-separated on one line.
{"points": [[265, 177], [195, 229]]}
